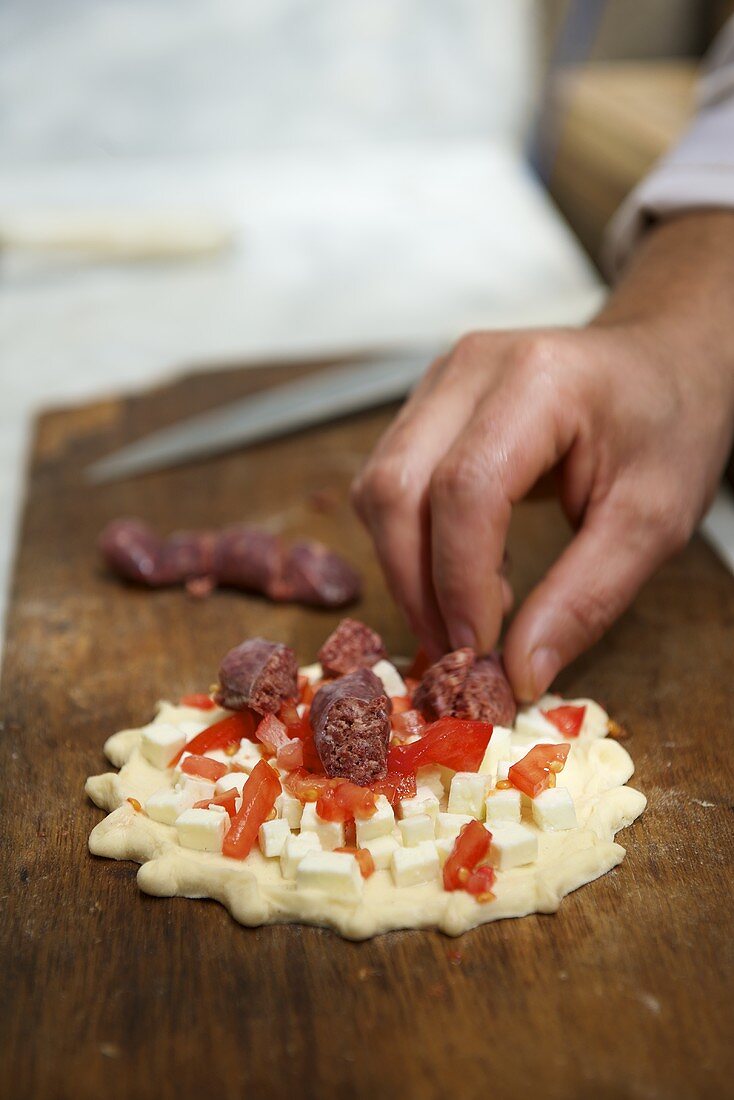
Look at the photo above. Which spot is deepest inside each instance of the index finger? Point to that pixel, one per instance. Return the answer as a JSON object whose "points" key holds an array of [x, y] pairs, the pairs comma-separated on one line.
{"points": [[515, 436]]}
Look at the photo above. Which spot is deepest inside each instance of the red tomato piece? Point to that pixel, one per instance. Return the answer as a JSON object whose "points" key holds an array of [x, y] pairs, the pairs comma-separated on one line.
{"points": [[363, 858], [258, 799], [311, 758], [306, 689], [400, 703], [471, 846], [396, 784], [532, 774], [567, 719], [227, 800], [204, 767], [272, 733], [480, 882], [198, 700], [230, 731], [456, 743], [344, 801], [297, 725], [306, 786], [290, 755], [408, 723]]}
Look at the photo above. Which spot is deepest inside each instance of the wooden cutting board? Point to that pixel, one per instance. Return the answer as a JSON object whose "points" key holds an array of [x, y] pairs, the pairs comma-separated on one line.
{"points": [[627, 991]]}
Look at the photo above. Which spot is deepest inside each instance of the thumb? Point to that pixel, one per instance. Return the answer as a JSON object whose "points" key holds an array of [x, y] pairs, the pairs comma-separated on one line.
{"points": [[591, 584]]}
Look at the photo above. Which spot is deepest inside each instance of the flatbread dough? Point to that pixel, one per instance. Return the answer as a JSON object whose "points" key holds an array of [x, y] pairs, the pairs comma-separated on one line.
{"points": [[255, 892]]}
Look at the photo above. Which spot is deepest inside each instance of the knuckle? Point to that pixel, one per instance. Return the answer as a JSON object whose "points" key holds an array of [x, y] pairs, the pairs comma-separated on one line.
{"points": [[457, 476], [381, 488]]}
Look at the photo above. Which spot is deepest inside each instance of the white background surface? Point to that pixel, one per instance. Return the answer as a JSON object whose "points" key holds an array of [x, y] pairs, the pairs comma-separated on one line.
{"points": [[364, 153]]}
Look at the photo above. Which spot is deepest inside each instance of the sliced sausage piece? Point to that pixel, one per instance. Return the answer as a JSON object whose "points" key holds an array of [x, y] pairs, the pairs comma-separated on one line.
{"points": [[352, 645], [257, 674], [463, 685], [350, 718], [248, 557]]}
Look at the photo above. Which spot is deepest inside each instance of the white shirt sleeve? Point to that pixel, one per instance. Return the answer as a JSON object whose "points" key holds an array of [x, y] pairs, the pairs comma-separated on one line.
{"points": [[698, 173]]}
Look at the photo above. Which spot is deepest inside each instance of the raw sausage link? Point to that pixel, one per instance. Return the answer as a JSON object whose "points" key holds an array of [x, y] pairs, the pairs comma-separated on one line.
{"points": [[239, 556]]}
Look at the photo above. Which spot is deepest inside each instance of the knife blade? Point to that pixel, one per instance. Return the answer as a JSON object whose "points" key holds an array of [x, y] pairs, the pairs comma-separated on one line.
{"points": [[285, 408]]}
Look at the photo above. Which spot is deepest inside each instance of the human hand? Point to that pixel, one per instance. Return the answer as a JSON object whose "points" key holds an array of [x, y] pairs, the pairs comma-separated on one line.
{"points": [[634, 415]]}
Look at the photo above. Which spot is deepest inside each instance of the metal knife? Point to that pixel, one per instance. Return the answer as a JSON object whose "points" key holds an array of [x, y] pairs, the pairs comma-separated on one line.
{"points": [[289, 407]]}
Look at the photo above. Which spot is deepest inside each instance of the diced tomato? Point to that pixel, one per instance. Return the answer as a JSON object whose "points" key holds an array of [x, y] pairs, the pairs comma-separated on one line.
{"points": [[297, 725], [272, 732], [306, 786], [344, 801], [204, 767], [567, 719], [258, 799], [400, 703], [311, 758], [532, 774], [456, 743], [470, 848], [306, 689], [480, 882], [363, 858], [230, 731], [421, 662], [198, 700], [411, 685], [227, 800], [396, 784], [408, 723], [290, 755], [350, 834]]}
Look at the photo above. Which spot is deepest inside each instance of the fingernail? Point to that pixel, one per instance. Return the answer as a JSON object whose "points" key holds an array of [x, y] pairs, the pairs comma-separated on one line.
{"points": [[545, 664]]}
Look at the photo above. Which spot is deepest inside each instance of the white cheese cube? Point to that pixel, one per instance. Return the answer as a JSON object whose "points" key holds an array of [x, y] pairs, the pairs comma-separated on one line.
{"points": [[467, 794], [335, 874], [381, 823], [423, 802], [503, 769], [392, 681], [190, 728], [413, 830], [503, 805], [296, 846], [444, 848], [330, 833], [412, 866], [202, 829], [232, 781], [272, 836], [431, 776], [381, 849], [247, 755], [313, 673], [167, 804], [289, 808], [512, 845], [450, 825], [196, 788], [159, 743], [498, 749], [553, 810]]}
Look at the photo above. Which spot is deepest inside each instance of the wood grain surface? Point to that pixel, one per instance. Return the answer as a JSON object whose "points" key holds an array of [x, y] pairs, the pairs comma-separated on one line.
{"points": [[625, 992]]}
